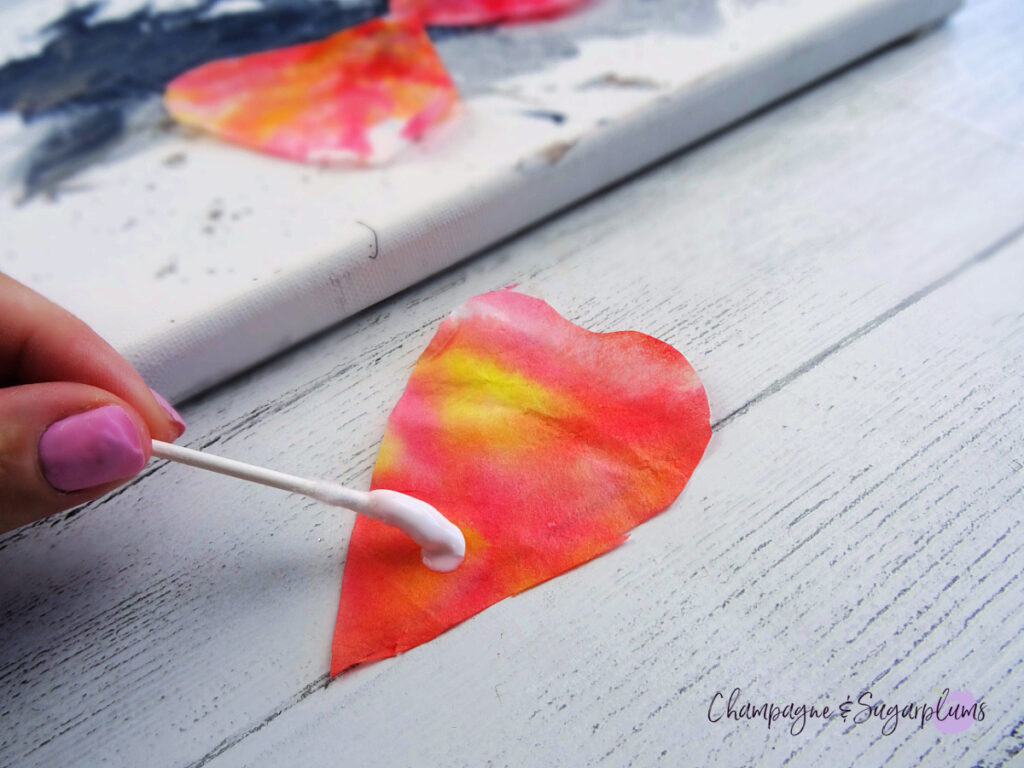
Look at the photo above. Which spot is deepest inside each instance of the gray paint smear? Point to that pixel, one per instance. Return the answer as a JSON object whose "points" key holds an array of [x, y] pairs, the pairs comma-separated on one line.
{"points": [[99, 126]]}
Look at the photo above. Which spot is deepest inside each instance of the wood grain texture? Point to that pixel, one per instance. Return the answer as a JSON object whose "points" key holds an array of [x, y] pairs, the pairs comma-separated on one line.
{"points": [[857, 530], [843, 271], [973, 87]]}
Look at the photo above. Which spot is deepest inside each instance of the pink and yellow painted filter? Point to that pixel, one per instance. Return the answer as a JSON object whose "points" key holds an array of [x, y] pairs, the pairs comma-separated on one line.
{"points": [[545, 443], [361, 94]]}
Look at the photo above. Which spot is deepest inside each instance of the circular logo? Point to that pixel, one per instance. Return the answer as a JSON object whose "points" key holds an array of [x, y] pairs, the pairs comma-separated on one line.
{"points": [[957, 713]]}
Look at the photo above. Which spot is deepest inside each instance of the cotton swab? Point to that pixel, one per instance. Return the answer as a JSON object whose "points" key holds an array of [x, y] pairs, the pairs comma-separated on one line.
{"points": [[442, 543]]}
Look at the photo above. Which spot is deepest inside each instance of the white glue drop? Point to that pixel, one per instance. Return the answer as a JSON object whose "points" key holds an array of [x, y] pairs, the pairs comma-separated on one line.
{"points": [[442, 542]]}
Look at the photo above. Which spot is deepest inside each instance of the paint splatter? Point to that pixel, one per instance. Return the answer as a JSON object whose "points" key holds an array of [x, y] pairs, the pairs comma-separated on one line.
{"points": [[545, 443], [93, 74], [93, 85], [465, 12], [362, 93]]}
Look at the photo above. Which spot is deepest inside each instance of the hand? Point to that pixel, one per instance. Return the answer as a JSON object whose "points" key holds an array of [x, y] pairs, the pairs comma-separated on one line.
{"points": [[76, 420]]}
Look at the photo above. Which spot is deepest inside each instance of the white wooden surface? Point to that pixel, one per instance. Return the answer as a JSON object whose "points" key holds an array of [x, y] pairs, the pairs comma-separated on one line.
{"points": [[846, 273]]}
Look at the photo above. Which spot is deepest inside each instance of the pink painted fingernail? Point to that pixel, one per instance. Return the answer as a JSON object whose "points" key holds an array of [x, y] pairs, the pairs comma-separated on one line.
{"points": [[90, 449], [175, 416]]}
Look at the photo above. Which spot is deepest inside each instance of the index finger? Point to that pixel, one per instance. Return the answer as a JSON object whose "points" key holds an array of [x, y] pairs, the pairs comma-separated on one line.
{"points": [[42, 342]]}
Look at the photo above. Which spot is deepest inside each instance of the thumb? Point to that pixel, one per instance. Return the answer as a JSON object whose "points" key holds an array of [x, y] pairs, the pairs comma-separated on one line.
{"points": [[62, 444]]}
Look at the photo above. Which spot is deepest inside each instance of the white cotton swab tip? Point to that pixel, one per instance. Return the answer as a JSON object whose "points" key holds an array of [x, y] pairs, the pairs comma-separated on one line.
{"points": [[442, 544]]}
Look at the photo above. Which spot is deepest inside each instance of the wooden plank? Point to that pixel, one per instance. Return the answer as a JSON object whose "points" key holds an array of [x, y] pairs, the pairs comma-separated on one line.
{"points": [[858, 530], [159, 623], [967, 72]]}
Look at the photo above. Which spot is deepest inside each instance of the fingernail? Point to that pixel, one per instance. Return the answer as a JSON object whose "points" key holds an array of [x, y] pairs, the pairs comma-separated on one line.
{"points": [[175, 416], [90, 449]]}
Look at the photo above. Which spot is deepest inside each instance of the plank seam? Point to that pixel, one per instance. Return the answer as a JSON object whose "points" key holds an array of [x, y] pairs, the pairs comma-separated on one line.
{"points": [[318, 684], [980, 257]]}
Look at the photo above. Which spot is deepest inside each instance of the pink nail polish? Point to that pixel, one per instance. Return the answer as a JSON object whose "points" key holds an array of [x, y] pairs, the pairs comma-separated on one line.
{"points": [[175, 416], [90, 449]]}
